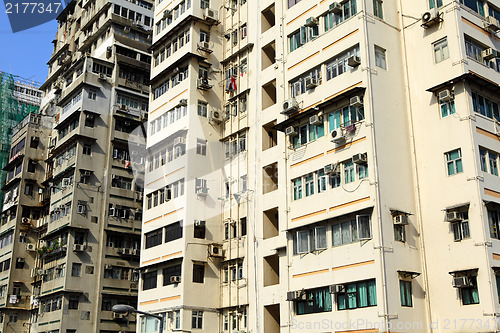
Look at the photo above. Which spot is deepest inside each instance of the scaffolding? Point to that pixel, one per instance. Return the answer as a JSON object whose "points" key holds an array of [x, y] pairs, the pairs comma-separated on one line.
{"points": [[18, 98]]}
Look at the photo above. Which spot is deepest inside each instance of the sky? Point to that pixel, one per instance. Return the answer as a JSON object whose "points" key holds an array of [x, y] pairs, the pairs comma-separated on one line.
{"points": [[26, 53]]}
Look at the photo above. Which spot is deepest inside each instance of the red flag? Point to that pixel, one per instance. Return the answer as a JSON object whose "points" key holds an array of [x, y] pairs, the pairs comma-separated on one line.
{"points": [[233, 82]]}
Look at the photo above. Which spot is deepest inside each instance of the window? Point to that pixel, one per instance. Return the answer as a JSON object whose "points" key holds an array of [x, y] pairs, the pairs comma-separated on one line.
{"points": [[34, 142], [292, 3], [492, 157], [441, 51], [199, 231], [380, 57], [153, 238], [351, 231], [485, 106], [377, 9], [435, 3], [482, 159], [357, 295], [349, 9], [201, 147], [447, 108], [197, 319], [454, 162], [204, 36], [198, 273], [399, 233], [173, 231], [205, 4], [87, 149], [149, 280], [202, 109], [349, 175], [461, 228], [297, 188], [76, 269], [405, 292], [470, 295], [73, 303], [169, 272], [309, 184], [317, 300], [28, 189], [475, 5], [92, 94]]}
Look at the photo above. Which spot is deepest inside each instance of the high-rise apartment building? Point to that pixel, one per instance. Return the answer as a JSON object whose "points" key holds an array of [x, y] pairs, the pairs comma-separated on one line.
{"points": [[322, 166], [76, 223], [18, 97]]}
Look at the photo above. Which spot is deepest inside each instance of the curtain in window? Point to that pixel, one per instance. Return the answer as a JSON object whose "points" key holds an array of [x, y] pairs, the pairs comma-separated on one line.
{"points": [[475, 295], [337, 238], [372, 293], [312, 132], [341, 304], [354, 231], [362, 294], [320, 130], [346, 232], [303, 241], [351, 296], [334, 120]]}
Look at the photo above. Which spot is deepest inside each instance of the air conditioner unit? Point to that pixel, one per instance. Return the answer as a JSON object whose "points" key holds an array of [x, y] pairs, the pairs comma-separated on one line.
{"points": [[335, 7], [65, 182], [125, 251], [337, 289], [112, 211], [102, 77], [401, 219], [359, 158], [311, 82], [331, 168], [461, 282], [167, 13], [210, 15], [175, 279], [179, 141], [202, 191], [205, 46], [445, 95], [290, 130], [312, 21], [290, 105], [453, 216], [316, 120], [491, 23], [183, 102], [354, 61], [215, 250], [78, 247], [295, 295], [337, 135], [118, 315], [430, 18], [199, 223], [203, 83], [81, 209], [356, 101], [215, 116], [30, 247], [489, 54]]}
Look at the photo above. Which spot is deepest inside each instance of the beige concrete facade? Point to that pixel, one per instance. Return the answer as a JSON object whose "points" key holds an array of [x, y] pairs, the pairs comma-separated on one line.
{"points": [[349, 175]]}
